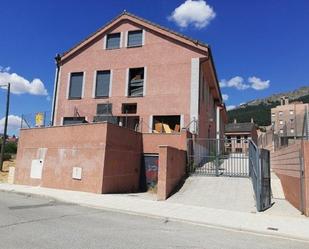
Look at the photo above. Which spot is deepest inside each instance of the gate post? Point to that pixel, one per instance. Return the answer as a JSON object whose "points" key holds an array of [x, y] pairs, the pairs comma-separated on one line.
{"points": [[217, 157]]}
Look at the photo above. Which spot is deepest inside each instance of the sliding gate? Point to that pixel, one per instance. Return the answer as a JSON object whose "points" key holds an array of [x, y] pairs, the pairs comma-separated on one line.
{"points": [[232, 158]]}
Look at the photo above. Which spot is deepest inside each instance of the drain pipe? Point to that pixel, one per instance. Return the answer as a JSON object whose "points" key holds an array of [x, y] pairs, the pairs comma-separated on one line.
{"points": [[57, 60]]}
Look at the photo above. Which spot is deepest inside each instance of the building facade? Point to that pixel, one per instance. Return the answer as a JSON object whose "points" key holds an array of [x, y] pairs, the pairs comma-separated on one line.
{"points": [[288, 118], [120, 95], [237, 136], [139, 75]]}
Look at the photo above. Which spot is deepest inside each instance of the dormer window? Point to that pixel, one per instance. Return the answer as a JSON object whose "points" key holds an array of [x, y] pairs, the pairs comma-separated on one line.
{"points": [[135, 38], [113, 41]]}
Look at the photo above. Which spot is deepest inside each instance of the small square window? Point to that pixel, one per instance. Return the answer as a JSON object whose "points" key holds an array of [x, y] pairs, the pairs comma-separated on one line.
{"points": [[273, 114], [281, 122], [113, 41], [135, 38], [281, 131], [292, 130], [104, 109], [280, 113], [291, 112], [129, 108]]}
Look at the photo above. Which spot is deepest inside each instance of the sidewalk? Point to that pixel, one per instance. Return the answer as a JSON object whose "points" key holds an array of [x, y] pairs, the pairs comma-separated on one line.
{"points": [[292, 227]]}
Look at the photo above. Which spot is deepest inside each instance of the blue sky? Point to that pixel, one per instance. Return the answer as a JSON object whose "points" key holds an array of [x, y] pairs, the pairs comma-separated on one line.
{"points": [[260, 47]]}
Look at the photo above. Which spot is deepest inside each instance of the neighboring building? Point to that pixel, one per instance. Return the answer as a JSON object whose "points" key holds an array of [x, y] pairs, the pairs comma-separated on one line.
{"points": [[288, 118], [237, 136], [160, 86]]}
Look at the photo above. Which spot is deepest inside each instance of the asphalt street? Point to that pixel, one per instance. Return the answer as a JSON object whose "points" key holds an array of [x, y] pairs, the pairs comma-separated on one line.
{"points": [[28, 222]]}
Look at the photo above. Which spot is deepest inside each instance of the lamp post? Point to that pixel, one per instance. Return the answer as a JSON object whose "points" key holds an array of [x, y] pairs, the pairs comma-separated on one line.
{"points": [[5, 123]]}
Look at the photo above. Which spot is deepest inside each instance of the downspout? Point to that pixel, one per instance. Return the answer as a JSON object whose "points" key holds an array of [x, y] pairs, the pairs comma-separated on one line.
{"points": [[57, 60]]}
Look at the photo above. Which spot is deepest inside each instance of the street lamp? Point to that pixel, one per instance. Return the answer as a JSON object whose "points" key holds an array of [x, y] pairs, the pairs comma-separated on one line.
{"points": [[5, 123]]}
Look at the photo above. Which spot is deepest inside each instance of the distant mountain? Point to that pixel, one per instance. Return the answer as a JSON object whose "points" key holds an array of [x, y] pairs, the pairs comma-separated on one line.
{"points": [[260, 109]]}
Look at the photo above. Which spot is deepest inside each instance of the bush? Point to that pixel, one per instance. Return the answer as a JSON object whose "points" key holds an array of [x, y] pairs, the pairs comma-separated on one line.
{"points": [[10, 148]]}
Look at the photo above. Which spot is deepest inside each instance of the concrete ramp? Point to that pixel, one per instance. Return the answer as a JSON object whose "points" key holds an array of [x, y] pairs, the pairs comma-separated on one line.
{"points": [[230, 193]]}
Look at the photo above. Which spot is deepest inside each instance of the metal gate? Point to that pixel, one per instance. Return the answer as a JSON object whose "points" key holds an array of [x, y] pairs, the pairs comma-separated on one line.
{"points": [[218, 157], [234, 158], [259, 168]]}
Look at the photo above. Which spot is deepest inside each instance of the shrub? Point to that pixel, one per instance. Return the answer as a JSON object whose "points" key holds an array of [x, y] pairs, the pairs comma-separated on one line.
{"points": [[7, 157], [10, 147]]}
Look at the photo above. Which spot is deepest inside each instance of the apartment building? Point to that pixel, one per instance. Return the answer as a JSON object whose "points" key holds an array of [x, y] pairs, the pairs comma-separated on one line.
{"points": [[288, 118]]}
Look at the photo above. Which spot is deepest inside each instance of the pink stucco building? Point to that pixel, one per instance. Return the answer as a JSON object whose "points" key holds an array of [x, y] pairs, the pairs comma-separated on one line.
{"points": [[160, 86], [140, 74]]}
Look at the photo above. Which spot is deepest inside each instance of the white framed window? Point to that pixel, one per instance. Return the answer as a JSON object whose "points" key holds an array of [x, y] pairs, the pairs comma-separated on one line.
{"points": [[291, 112], [135, 38], [113, 41], [280, 113], [281, 122], [281, 131], [102, 84], [273, 114], [76, 85], [292, 130]]}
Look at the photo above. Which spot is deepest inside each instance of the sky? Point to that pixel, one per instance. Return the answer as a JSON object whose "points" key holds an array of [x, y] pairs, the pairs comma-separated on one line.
{"points": [[260, 47]]}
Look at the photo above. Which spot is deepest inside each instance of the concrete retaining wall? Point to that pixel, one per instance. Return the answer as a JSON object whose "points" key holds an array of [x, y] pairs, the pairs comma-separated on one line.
{"points": [[60, 149], [172, 168]]}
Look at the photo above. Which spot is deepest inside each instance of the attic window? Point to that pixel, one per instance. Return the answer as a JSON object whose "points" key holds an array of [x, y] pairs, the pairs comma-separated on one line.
{"points": [[135, 38], [136, 82], [113, 41]]}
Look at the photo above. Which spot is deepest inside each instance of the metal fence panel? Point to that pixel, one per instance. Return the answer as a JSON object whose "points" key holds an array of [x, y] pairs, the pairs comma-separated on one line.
{"points": [[218, 157]]}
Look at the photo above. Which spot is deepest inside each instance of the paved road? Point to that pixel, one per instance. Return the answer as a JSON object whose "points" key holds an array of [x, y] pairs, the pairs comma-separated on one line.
{"points": [[31, 222]]}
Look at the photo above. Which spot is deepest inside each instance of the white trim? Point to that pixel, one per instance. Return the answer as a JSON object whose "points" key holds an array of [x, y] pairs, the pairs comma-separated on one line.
{"points": [[127, 82], [110, 83], [126, 39], [143, 38], [94, 83], [104, 41], [61, 121], [57, 98], [194, 93], [145, 81], [83, 86], [150, 124], [121, 38], [68, 85], [182, 121], [54, 93]]}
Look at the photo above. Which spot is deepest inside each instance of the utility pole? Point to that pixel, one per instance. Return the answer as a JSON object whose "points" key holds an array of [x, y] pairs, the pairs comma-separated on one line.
{"points": [[5, 125]]}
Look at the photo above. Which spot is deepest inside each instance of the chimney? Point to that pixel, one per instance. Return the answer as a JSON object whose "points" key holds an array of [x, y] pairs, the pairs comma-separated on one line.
{"points": [[235, 121], [282, 101], [252, 121], [286, 100]]}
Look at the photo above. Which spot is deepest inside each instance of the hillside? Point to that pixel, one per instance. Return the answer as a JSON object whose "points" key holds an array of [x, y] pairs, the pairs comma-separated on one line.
{"points": [[260, 109]]}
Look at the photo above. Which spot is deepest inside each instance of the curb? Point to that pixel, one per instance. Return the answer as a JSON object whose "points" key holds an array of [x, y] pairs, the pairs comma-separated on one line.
{"points": [[188, 221]]}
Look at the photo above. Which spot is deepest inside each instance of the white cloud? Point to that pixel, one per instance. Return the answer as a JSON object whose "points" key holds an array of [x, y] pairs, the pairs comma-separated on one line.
{"points": [[14, 123], [20, 85], [230, 107], [193, 12], [239, 83], [225, 97], [258, 84]]}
